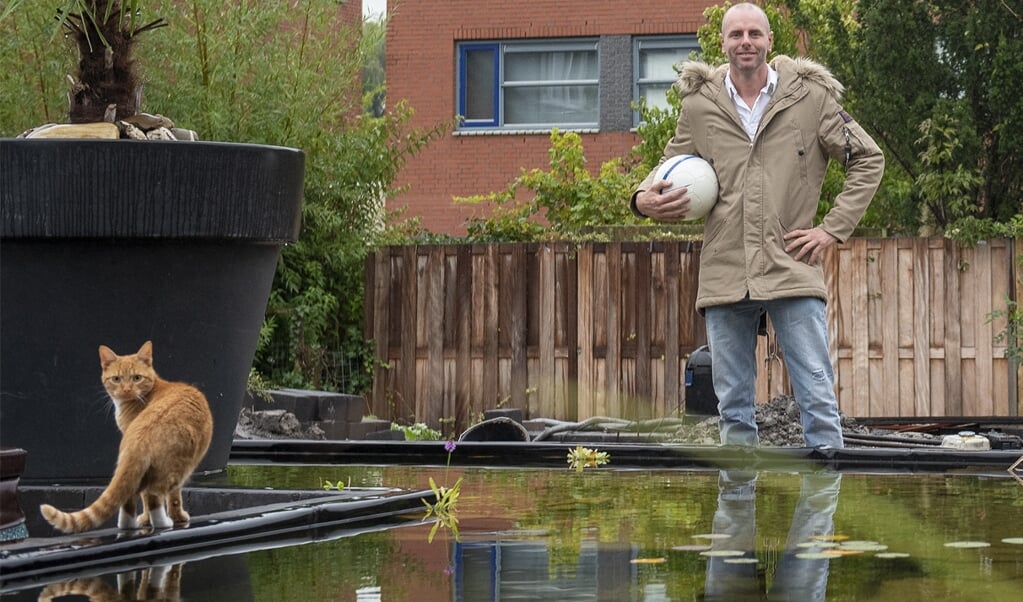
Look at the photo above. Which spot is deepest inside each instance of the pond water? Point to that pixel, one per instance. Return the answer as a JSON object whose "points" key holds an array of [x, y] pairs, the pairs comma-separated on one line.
{"points": [[605, 534]]}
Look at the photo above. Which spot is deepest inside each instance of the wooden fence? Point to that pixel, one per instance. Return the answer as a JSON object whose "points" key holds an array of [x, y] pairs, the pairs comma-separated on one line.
{"points": [[572, 331]]}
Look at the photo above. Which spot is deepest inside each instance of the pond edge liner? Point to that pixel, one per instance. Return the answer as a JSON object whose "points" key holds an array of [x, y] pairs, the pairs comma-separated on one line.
{"points": [[622, 455], [322, 517]]}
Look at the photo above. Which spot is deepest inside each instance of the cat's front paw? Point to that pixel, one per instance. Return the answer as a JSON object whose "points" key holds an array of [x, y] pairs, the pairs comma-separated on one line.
{"points": [[127, 521], [159, 519], [180, 517]]}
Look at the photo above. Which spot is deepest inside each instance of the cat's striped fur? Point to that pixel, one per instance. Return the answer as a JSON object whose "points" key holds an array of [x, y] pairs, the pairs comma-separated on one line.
{"points": [[166, 429]]}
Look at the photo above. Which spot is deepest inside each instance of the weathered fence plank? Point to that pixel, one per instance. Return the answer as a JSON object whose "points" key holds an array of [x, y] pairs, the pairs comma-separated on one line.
{"points": [[574, 331]]}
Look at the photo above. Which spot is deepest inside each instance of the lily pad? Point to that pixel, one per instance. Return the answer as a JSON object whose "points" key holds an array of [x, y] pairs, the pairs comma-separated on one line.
{"points": [[712, 536], [825, 555], [691, 548], [863, 546], [740, 560], [967, 544], [891, 555], [648, 560], [721, 553], [1014, 540], [817, 544], [830, 537]]}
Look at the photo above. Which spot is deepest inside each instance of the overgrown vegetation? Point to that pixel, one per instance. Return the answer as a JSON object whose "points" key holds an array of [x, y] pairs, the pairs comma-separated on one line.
{"points": [[270, 73]]}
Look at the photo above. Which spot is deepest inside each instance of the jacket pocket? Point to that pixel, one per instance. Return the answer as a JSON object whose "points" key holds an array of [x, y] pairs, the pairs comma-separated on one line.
{"points": [[781, 230], [799, 149]]}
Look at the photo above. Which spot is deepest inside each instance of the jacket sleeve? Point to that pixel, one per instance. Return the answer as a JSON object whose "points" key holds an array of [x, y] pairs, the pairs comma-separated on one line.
{"points": [[680, 144], [847, 142]]}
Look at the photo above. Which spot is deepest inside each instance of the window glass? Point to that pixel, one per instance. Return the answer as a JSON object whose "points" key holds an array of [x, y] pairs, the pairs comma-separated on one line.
{"points": [[550, 66], [536, 84], [479, 84], [655, 62], [550, 105]]}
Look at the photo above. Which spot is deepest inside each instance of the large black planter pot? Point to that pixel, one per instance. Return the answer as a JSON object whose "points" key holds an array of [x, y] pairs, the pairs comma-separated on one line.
{"points": [[116, 242]]}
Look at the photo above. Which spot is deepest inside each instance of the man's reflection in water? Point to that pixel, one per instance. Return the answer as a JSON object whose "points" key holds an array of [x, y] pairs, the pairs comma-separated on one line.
{"points": [[734, 578]]}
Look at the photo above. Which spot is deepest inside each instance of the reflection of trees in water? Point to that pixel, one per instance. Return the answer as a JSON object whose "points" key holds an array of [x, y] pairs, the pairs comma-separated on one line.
{"points": [[161, 582], [303, 572], [600, 505]]}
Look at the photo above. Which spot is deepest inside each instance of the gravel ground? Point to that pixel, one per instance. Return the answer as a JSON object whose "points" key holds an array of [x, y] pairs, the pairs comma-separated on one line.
{"points": [[779, 426], [777, 420]]}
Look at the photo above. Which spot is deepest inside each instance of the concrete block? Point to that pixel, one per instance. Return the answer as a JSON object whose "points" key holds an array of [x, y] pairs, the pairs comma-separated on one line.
{"points": [[512, 413], [340, 406], [335, 429], [304, 404], [361, 429], [387, 435]]}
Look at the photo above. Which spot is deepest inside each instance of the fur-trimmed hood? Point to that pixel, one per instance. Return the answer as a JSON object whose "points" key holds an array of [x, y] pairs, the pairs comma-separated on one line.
{"points": [[693, 75]]}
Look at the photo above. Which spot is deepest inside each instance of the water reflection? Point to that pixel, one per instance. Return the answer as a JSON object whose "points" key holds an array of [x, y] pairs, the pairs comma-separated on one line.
{"points": [[161, 582], [532, 534], [733, 571], [515, 565]]}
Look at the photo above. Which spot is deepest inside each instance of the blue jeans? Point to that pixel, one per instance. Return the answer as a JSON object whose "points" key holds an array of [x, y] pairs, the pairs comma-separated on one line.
{"points": [[801, 329], [796, 579]]}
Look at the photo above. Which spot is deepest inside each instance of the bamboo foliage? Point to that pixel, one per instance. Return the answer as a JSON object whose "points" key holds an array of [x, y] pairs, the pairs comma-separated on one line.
{"points": [[570, 331]]}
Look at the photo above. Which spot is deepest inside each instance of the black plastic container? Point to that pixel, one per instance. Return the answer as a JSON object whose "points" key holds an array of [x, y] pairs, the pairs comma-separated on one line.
{"points": [[116, 242], [700, 397]]}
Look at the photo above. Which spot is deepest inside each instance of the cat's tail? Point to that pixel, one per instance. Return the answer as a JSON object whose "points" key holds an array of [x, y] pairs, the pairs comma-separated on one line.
{"points": [[123, 487], [94, 588]]}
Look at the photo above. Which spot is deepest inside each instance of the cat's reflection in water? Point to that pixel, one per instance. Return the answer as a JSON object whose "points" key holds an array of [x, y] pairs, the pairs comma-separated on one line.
{"points": [[161, 582]]}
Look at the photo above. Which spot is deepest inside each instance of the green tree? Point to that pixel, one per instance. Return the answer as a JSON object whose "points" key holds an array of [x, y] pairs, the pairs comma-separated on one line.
{"points": [[373, 85], [908, 63], [104, 80], [270, 73], [561, 203]]}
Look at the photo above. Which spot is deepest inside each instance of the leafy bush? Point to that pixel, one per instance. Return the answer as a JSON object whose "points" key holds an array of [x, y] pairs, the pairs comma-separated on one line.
{"points": [[276, 73]]}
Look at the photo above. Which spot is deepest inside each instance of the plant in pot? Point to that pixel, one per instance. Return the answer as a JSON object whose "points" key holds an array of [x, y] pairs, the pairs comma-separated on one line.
{"points": [[116, 242]]}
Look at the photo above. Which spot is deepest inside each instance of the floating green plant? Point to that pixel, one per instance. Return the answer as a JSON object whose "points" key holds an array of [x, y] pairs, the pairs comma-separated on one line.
{"points": [[583, 457], [338, 486], [967, 544], [722, 553]]}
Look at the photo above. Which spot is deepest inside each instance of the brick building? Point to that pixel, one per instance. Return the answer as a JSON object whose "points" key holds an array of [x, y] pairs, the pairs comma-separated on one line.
{"points": [[514, 71]]}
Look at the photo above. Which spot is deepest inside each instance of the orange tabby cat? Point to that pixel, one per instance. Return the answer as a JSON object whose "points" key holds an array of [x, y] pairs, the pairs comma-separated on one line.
{"points": [[166, 430]]}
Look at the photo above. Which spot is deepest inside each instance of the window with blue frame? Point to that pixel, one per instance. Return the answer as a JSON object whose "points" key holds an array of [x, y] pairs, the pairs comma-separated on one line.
{"points": [[654, 61], [518, 85]]}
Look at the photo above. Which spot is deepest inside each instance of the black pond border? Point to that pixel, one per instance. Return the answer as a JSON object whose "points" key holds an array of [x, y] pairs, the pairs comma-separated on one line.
{"points": [[622, 455], [318, 517]]}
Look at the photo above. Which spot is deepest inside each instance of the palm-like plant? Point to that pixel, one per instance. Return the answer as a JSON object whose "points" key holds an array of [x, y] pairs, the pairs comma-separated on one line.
{"points": [[107, 86]]}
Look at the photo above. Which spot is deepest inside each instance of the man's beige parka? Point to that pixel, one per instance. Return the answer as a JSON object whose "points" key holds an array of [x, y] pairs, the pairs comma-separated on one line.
{"points": [[771, 185]]}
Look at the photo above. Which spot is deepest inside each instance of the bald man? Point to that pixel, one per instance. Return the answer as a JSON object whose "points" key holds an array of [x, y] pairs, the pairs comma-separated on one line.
{"points": [[769, 128]]}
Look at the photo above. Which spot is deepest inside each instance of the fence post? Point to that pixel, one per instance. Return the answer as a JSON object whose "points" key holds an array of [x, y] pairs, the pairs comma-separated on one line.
{"points": [[1016, 269]]}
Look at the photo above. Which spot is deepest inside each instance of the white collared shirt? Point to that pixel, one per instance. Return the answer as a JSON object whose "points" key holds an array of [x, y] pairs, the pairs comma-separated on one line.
{"points": [[751, 115]]}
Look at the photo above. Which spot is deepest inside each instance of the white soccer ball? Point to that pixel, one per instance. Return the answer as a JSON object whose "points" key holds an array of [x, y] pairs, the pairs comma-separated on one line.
{"points": [[696, 175]]}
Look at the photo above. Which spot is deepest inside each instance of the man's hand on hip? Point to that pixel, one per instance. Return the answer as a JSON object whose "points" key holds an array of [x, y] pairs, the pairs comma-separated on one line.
{"points": [[810, 244]]}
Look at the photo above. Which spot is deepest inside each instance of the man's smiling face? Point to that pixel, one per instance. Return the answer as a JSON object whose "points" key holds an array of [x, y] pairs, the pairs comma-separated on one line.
{"points": [[746, 38]]}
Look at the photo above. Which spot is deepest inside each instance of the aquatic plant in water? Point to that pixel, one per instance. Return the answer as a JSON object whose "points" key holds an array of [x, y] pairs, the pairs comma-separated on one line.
{"points": [[583, 457], [444, 509], [338, 486]]}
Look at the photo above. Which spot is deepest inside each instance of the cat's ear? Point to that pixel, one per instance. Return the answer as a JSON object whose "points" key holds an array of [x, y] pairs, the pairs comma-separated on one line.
{"points": [[145, 353], [106, 356]]}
